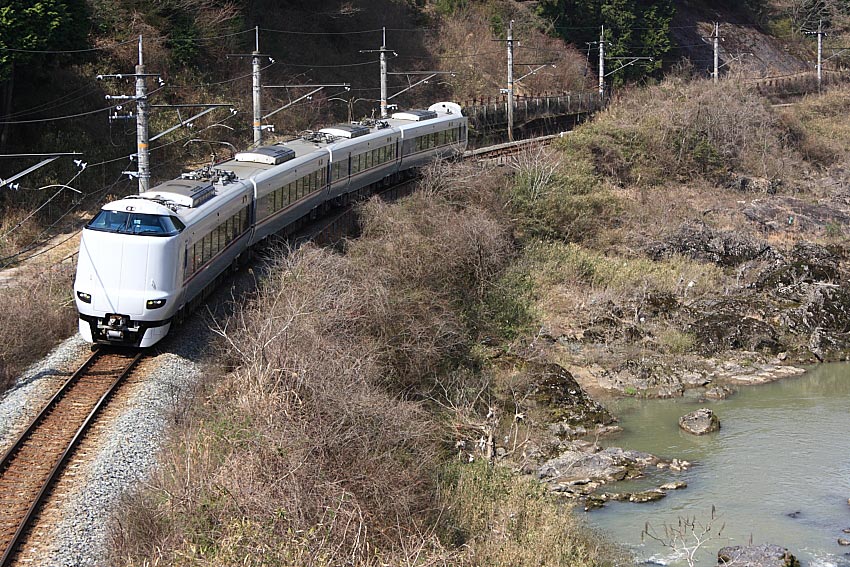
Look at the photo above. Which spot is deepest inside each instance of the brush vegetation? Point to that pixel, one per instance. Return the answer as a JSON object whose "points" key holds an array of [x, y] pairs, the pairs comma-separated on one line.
{"points": [[331, 442], [38, 313]]}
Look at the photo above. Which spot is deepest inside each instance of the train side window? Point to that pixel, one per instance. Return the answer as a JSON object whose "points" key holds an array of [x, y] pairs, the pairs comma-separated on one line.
{"points": [[222, 236], [213, 242]]}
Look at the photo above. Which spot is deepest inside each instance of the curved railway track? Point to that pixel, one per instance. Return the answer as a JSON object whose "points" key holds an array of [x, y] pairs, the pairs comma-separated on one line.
{"points": [[32, 464]]}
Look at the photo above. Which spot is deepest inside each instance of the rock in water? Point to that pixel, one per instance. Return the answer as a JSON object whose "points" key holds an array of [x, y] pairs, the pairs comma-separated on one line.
{"points": [[765, 555], [700, 422]]}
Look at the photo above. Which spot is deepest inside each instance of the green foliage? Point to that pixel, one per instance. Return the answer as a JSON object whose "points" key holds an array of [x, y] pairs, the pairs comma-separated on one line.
{"points": [[565, 202], [42, 25], [183, 42], [675, 341], [508, 304], [633, 28], [450, 7]]}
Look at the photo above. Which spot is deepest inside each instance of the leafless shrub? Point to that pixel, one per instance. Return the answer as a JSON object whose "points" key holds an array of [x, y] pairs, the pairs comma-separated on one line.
{"points": [[535, 168]]}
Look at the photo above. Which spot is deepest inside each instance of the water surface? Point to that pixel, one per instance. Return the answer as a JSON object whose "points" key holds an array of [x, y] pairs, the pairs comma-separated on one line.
{"points": [[778, 471]]}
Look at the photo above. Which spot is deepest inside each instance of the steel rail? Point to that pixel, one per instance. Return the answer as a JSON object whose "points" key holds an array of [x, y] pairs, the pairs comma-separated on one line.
{"points": [[54, 402]]}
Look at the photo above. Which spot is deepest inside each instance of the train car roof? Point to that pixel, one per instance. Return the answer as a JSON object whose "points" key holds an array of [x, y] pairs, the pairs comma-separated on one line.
{"points": [[187, 194]]}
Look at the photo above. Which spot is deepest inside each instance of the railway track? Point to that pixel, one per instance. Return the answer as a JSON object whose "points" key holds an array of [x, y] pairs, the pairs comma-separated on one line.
{"points": [[32, 464]]}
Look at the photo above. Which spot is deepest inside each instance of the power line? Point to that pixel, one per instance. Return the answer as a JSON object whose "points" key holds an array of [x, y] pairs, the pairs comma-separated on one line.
{"points": [[63, 51], [334, 66], [293, 32], [66, 117]]}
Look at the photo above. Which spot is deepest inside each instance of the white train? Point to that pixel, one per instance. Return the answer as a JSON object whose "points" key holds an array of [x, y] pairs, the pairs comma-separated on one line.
{"points": [[145, 259]]}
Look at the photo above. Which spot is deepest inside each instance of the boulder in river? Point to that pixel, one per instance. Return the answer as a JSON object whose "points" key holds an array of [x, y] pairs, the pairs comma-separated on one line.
{"points": [[605, 465], [700, 422], [765, 555]]}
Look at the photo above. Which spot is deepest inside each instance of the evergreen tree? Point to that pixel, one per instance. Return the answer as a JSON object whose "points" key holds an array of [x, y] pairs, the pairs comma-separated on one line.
{"points": [[37, 26], [633, 28]]}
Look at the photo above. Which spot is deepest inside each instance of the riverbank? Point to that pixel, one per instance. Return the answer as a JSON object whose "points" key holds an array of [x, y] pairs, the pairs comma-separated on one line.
{"points": [[682, 250]]}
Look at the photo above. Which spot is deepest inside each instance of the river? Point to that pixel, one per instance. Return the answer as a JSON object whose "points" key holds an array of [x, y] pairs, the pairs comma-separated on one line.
{"points": [[778, 471]]}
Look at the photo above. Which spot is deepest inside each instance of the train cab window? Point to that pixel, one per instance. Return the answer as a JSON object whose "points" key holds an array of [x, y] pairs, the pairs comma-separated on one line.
{"points": [[136, 223]]}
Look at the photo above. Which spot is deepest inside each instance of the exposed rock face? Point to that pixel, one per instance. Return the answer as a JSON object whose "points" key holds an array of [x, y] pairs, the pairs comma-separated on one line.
{"points": [[700, 242], [566, 402], [765, 555], [805, 263], [718, 393], [700, 422], [780, 212], [721, 331]]}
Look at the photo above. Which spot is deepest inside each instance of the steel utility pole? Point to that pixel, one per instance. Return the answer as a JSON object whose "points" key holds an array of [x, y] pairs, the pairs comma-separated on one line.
{"points": [[716, 38], [820, 54], [141, 116], [511, 81], [384, 73], [257, 85], [383, 54], [602, 66], [142, 109], [819, 33]]}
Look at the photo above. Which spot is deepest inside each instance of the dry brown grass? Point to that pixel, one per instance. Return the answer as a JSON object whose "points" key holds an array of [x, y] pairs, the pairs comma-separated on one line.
{"points": [[18, 228], [38, 312], [503, 519], [819, 127]]}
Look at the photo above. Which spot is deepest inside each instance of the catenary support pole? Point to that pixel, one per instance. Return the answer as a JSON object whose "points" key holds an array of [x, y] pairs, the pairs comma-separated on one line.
{"points": [[510, 43], [820, 54], [716, 38], [142, 107], [257, 124], [602, 66], [384, 73]]}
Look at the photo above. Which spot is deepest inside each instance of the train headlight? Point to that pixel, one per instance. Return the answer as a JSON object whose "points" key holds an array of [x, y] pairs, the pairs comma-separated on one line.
{"points": [[84, 297], [154, 303]]}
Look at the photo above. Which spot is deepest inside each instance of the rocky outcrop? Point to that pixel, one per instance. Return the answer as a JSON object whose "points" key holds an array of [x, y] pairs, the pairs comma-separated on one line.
{"points": [[720, 331], [765, 555], [557, 392], [781, 212], [700, 422], [804, 263], [701, 242]]}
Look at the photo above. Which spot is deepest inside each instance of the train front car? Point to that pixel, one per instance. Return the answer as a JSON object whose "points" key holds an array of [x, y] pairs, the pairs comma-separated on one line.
{"points": [[127, 282]]}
